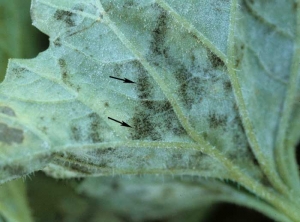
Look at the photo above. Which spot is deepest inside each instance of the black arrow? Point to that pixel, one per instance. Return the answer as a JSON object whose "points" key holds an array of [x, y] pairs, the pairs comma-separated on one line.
{"points": [[125, 80], [122, 123]]}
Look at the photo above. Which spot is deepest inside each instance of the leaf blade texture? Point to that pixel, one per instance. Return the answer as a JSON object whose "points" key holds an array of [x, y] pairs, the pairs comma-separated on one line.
{"points": [[211, 80]]}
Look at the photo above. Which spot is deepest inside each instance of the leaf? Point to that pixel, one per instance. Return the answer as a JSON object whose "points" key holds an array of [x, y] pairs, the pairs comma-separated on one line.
{"points": [[215, 94], [153, 198], [16, 39], [80, 96]]}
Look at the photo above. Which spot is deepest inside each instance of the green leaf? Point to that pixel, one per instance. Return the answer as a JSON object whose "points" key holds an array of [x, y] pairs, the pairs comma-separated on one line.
{"points": [[72, 112], [150, 198], [215, 94]]}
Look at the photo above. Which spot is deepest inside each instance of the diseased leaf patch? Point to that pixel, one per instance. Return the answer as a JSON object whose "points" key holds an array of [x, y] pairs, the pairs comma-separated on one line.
{"points": [[66, 16], [215, 61], [145, 125], [88, 129], [217, 121], [15, 169], [104, 161], [85, 51], [7, 111], [10, 135], [66, 77], [182, 93]]}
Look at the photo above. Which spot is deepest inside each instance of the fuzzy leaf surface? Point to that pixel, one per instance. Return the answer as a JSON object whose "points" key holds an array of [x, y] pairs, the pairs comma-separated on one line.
{"points": [[203, 93]]}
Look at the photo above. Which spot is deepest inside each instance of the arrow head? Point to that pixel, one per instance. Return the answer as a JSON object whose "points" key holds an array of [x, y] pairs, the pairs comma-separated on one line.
{"points": [[125, 124], [127, 81]]}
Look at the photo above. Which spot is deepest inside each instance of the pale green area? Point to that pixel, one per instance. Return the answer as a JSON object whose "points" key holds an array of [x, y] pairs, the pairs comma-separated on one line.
{"points": [[215, 97]]}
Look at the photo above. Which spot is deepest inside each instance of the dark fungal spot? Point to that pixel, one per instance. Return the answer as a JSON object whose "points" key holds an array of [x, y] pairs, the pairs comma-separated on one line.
{"points": [[102, 152], [66, 78], [117, 70], [158, 51], [190, 88], [76, 132], [195, 161], [216, 121], [180, 161], [18, 71], [44, 129], [239, 137], [78, 168], [143, 85], [106, 104], [75, 163], [253, 157], [87, 129], [108, 6], [94, 128], [57, 42], [237, 62], [227, 86], [67, 17], [10, 135], [191, 91], [68, 157], [63, 66], [159, 32], [144, 128], [215, 61], [176, 161], [265, 181], [128, 3], [147, 126], [240, 123], [7, 111], [172, 122], [62, 63], [235, 107], [157, 106], [178, 130], [182, 74], [13, 170]]}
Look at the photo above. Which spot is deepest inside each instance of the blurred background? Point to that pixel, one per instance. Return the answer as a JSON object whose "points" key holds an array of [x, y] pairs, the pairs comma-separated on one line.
{"points": [[18, 38], [56, 200]]}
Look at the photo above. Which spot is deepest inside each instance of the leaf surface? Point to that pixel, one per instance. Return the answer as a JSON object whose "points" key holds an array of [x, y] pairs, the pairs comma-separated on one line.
{"points": [[67, 95], [215, 91]]}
